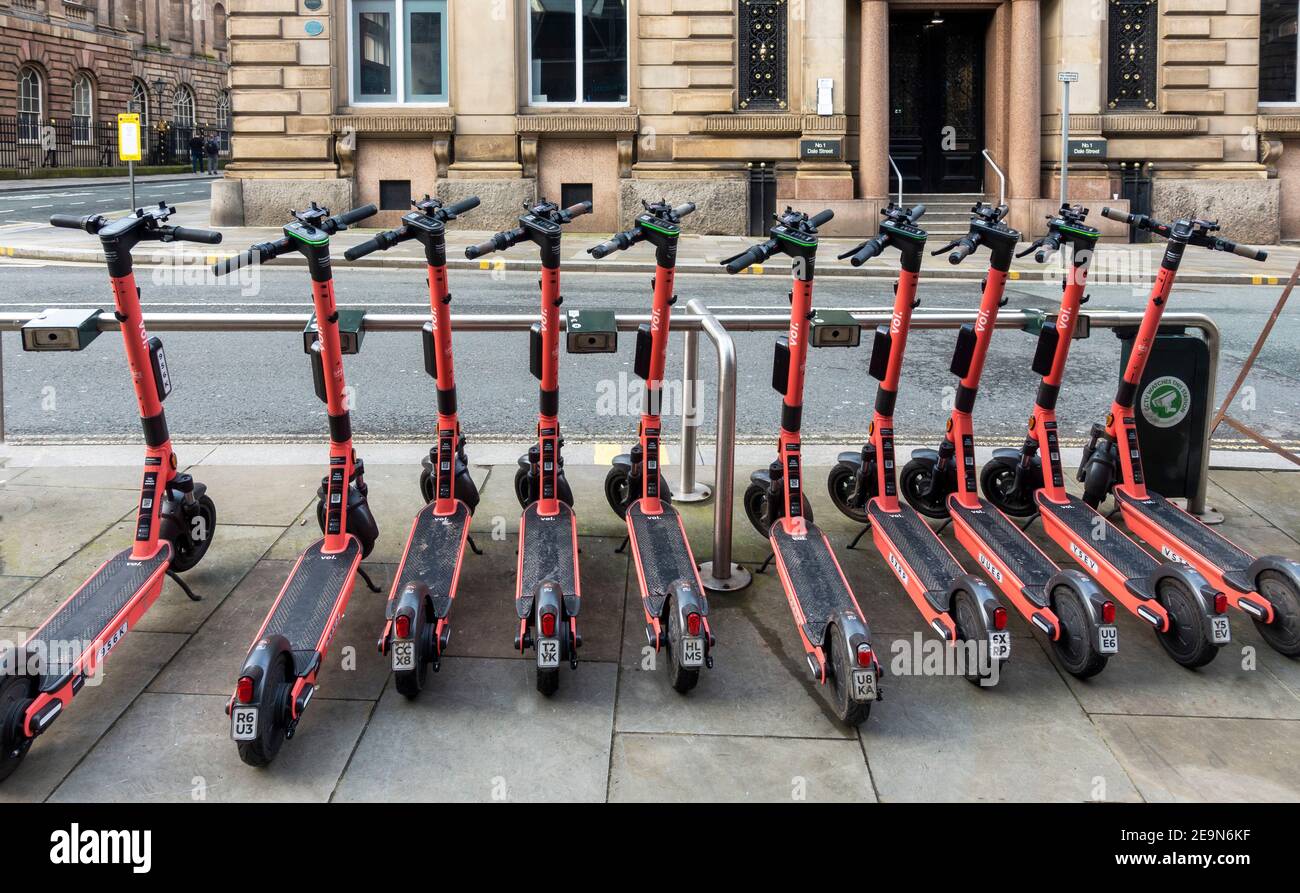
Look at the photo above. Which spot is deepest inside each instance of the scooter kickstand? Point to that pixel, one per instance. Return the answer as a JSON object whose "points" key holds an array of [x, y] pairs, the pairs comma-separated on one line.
{"points": [[185, 587], [857, 539], [766, 561], [369, 582], [623, 547], [473, 546]]}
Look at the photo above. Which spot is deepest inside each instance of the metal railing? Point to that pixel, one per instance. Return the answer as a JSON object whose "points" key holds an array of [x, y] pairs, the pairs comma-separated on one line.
{"points": [[720, 573], [28, 143]]}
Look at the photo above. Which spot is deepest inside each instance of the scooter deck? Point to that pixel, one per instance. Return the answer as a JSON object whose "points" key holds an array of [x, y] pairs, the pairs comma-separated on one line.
{"points": [[433, 556], [1002, 536], [926, 556], [548, 550], [1128, 559], [309, 597], [662, 552], [89, 611], [1219, 551], [813, 578]]}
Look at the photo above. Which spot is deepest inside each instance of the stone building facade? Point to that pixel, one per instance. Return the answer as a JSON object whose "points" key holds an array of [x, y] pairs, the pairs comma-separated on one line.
{"points": [[93, 59], [743, 105]]}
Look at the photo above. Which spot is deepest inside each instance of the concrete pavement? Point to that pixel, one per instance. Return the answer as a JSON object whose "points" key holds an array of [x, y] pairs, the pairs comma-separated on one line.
{"points": [[756, 729]]}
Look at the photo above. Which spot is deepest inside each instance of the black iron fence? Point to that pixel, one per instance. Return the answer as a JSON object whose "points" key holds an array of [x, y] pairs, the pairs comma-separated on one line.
{"points": [[27, 143]]}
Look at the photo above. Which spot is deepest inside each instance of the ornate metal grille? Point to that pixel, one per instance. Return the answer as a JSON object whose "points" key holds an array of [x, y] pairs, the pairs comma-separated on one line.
{"points": [[1131, 67], [762, 54]]}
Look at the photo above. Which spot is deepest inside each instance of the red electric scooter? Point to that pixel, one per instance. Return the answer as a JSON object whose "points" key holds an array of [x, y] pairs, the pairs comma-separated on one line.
{"points": [[1068, 607], [1267, 587], [958, 606], [548, 593], [832, 627], [279, 675], [672, 597], [417, 624], [174, 524], [1183, 608]]}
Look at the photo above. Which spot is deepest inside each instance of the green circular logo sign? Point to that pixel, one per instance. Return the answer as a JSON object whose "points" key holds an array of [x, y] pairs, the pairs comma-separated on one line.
{"points": [[1166, 401]]}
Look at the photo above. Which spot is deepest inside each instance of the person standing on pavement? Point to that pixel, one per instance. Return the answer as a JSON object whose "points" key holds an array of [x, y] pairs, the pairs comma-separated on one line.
{"points": [[196, 152], [213, 148]]}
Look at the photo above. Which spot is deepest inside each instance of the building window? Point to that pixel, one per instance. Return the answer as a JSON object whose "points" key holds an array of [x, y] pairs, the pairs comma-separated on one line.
{"points": [[1131, 66], [223, 120], [139, 103], [183, 107], [178, 20], [577, 52], [30, 97], [1277, 52], [83, 109], [416, 74], [219, 27], [762, 54]]}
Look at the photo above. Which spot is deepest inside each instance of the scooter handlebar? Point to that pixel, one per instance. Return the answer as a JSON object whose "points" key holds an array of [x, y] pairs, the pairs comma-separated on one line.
{"points": [[90, 222], [1247, 251], [683, 210], [1119, 216], [578, 210], [185, 234], [381, 242], [465, 204], [263, 251], [356, 215], [822, 218], [917, 212], [618, 242], [756, 254], [866, 251], [499, 242]]}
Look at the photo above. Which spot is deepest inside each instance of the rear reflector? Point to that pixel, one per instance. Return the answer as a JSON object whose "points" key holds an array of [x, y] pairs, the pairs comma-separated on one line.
{"points": [[865, 657], [1107, 612], [403, 626], [999, 618], [693, 624], [548, 625], [1220, 603], [244, 690]]}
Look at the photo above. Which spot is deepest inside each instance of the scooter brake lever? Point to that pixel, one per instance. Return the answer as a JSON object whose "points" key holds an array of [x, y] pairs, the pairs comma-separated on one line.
{"points": [[1034, 246]]}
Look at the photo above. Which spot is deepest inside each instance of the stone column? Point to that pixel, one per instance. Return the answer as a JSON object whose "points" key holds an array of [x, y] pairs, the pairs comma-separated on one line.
{"points": [[1025, 102], [873, 100]]}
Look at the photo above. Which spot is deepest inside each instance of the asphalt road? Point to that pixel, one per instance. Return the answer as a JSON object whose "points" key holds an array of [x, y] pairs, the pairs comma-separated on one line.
{"points": [[240, 386], [22, 206]]}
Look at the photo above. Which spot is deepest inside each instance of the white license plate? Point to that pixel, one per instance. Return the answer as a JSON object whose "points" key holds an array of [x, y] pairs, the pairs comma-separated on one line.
{"points": [[692, 652], [999, 645], [548, 653], [864, 685], [403, 656], [1107, 639], [1220, 629], [243, 723]]}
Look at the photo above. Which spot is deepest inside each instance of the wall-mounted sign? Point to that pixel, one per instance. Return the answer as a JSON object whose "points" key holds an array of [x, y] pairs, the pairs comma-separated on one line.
{"points": [[313, 5], [826, 150], [314, 28], [1094, 147]]}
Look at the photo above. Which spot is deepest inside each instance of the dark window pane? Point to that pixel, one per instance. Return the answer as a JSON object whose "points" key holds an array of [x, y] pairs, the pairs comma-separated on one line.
{"points": [[394, 195], [1277, 51], [424, 77], [554, 59], [374, 52], [604, 50], [572, 193]]}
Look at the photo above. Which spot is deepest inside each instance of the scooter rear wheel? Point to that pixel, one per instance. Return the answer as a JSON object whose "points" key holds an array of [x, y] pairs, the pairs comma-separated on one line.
{"points": [[1185, 641], [272, 715], [15, 694], [206, 516], [1283, 634], [411, 682], [683, 679], [850, 712], [548, 681], [998, 484], [1074, 648], [915, 481], [617, 484], [841, 482], [972, 628]]}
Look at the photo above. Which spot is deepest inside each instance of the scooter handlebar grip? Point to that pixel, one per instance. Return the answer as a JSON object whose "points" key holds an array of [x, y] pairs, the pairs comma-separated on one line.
{"points": [[231, 264], [684, 210], [72, 221], [1120, 216], [1249, 251], [466, 204], [206, 236], [822, 218], [578, 210], [964, 249], [917, 212], [356, 215], [367, 247], [868, 251], [498, 242], [755, 255]]}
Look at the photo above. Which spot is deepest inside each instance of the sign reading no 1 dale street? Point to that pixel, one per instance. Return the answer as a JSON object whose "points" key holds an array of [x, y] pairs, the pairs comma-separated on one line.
{"points": [[825, 150]]}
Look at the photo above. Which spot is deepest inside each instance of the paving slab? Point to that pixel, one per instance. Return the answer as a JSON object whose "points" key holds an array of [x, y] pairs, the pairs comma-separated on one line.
{"points": [[1182, 759], [101, 477], [12, 587], [759, 684], [134, 662], [44, 526], [482, 732], [171, 748], [735, 769], [1271, 494], [261, 495], [211, 661], [940, 738]]}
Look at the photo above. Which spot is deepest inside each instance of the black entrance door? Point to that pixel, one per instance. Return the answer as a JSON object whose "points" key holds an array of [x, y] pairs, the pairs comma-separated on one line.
{"points": [[936, 100]]}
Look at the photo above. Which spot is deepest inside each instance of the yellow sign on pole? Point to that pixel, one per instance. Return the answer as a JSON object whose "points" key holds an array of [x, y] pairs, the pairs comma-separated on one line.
{"points": [[128, 137]]}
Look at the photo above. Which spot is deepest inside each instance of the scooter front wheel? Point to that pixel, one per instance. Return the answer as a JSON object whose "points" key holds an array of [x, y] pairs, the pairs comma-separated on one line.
{"points": [[998, 484], [617, 487], [1074, 647], [15, 694], [1283, 634], [272, 715], [202, 525], [1097, 480], [683, 679], [838, 657], [1185, 640], [842, 482], [915, 481]]}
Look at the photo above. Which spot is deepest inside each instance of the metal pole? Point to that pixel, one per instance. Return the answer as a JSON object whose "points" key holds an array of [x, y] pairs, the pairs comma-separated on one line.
{"points": [[2, 387], [1065, 141], [690, 491], [721, 574], [130, 173], [1196, 502]]}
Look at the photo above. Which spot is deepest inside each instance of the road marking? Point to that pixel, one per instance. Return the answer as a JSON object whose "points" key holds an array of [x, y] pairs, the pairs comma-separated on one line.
{"points": [[38, 207]]}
